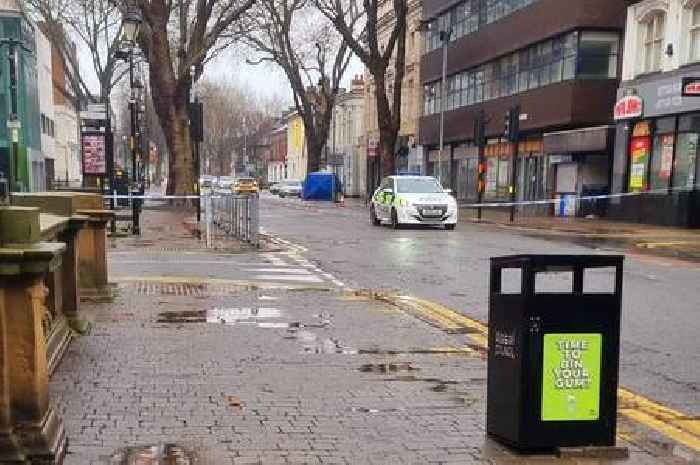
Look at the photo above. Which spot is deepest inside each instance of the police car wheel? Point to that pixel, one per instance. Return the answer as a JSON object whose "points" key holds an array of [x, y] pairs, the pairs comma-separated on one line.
{"points": [[450, 227], [395, 220], [373, 217]]}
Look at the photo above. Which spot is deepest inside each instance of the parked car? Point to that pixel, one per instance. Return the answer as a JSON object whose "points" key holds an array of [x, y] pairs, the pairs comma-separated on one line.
{"points": [[274, 188], [402, 200], [291, 188], [245, 186]]}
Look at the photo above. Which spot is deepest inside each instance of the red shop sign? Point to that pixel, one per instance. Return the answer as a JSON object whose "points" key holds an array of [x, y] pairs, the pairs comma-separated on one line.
{"points": [[628, 107], [691, 87]]}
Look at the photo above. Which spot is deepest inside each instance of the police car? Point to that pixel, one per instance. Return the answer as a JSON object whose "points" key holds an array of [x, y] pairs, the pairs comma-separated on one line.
{"points": [[404, 200]]}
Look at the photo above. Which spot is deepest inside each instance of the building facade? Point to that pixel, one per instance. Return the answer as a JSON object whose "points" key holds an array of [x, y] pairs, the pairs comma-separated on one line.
{"points": [[346, 139], [278, 152], [66, 152], [296, 147], [658, 129], [28, 160], [557, 61], [43, 165], [409, 154]]}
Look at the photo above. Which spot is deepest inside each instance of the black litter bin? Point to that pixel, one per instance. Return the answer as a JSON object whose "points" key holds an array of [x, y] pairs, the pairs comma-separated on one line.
{"points": [[553, 356]]}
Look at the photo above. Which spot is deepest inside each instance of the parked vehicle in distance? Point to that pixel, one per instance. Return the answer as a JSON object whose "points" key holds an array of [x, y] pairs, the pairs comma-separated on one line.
{"points": [[404, 200], [245, 186], [291, 188], [274, 188]]}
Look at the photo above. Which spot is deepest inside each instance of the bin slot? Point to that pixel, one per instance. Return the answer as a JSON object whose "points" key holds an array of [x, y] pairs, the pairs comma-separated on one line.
{"points": [[511, 280], [599, 280], [554, 282]]}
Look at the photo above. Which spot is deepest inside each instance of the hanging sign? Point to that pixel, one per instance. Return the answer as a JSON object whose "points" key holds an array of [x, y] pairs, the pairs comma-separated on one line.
{"points": [[94, 154], [691, 87], [571, 376], [628, 107]]}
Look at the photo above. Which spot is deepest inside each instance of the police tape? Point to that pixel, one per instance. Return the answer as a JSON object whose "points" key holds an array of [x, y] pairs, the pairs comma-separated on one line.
{"points": [[569, 198], [172, 197]]}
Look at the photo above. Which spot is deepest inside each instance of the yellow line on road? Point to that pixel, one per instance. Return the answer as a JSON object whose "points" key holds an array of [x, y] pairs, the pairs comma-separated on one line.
{"points": [[675, 425], [214, 281]]}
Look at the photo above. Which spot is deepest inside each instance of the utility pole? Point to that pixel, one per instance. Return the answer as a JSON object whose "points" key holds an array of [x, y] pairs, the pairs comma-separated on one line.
{"points": [[512, 134], [13, 124], [480, 142], [445, 38]]}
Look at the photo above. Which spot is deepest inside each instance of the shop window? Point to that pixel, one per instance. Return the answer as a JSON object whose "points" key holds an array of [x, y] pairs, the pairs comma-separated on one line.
{"points": [[695, 34], [598, 55], [653, 30], [685, 164], [640, 148], [661, 161]]}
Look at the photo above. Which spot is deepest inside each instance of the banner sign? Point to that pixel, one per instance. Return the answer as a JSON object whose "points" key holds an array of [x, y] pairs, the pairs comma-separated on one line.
{"points": [[628, 107], [571, 376], [691, 87], [94, 154]]}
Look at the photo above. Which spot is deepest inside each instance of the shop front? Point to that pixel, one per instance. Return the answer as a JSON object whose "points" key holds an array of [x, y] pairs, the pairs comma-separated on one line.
{"points": [[656, 153], [578, 165]]}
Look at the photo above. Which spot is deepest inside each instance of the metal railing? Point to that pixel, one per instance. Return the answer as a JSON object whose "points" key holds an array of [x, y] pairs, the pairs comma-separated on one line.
{"points": [[237, 215]]}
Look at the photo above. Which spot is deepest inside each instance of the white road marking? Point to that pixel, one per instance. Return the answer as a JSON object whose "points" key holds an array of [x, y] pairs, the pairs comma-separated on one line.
{"points": [[295, 270], [300, 278]]}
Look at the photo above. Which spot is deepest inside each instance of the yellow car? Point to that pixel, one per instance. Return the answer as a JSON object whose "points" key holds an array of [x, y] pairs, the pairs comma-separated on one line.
{"points": [[245, 186]]}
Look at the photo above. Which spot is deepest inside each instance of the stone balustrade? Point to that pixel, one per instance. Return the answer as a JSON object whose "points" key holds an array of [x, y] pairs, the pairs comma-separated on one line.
{"points": [[52, 250]]}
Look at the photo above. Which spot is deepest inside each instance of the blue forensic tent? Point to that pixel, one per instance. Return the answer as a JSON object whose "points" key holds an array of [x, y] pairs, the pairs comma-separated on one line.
{"points": [[320, 186]]}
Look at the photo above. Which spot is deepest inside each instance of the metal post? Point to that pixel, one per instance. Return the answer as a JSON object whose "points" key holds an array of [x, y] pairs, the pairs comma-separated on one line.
{"points": [[209, 214], [445, 37], [480, 136], [14, 158], [132, 144]]}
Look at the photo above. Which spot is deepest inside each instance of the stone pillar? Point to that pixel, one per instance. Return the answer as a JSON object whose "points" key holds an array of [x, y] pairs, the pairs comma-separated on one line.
{"points": [[69, 267], [24, 264], [10, 452], [92, 253]]}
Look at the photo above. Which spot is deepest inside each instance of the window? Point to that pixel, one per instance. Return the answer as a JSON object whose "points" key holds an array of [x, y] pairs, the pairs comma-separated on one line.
{"points": [[640, 147], [598, 55], [653, 42], [661, 161], [685, 164], [695, 34]]}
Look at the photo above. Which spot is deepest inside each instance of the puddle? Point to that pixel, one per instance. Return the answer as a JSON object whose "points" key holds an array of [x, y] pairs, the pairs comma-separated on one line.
{"points": [[161, 454], [387, 367], [227, 316]]}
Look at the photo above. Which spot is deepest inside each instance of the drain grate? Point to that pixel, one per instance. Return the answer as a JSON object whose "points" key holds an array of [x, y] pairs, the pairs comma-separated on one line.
{"points": [[160, 454], [151, 288]]}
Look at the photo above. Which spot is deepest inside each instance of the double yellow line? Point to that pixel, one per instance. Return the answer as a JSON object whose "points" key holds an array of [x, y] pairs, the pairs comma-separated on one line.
{"points": [[673, 424]]}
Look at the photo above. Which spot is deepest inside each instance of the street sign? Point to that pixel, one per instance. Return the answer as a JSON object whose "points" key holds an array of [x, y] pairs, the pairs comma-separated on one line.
{"points": [[93, 153], [93, 115], [14, 124], [336, 159], [628, 107], [691, 87]]}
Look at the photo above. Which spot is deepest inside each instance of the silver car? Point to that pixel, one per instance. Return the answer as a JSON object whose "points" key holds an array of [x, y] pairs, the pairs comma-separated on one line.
{"points": [[291, 188]]}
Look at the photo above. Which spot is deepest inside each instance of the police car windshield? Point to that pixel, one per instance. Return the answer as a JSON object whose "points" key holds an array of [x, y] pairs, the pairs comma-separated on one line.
{"points": [[418, 186]]}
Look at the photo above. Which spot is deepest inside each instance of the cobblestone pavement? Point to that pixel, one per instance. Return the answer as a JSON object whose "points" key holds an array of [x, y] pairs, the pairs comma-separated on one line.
{"points": [[245, 375], [266, 371]]}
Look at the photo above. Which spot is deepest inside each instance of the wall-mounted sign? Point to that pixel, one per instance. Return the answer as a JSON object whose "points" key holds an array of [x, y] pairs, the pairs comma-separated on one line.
{"points": [[691, 87], [628, 107], [571, 377], [94, 154]]}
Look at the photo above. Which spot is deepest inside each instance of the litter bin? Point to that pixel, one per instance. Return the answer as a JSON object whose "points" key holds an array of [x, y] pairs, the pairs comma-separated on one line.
{"points": [[554, 354]]}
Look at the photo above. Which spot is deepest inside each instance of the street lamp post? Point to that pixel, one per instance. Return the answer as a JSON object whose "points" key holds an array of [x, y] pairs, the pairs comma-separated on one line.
{"points": [[130, 30], [445, 39]]}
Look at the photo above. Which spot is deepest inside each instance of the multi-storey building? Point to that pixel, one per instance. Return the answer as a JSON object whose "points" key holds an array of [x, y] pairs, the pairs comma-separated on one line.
{"points": [[346, 139], [296, 147], [28, 161], [66, 152], [409, 153], [557, 60], [278, 152], [658, 130]]}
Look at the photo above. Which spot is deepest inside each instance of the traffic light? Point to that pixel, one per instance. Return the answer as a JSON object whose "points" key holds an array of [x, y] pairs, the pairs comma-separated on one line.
{"points": [[507, 120], [511, 122]]}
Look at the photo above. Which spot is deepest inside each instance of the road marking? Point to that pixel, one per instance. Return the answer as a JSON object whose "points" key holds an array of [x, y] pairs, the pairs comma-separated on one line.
{"points": [[214, 281], [673, 424], [289, 270], [279, 277]]}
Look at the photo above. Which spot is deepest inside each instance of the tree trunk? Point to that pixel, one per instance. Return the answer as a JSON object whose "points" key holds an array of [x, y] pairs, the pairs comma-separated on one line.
{"points": [[313, 157], [388, 131], [170, 100]]}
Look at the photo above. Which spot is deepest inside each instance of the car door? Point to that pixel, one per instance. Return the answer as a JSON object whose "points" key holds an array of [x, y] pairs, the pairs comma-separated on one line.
{"points": [[381, 199]]}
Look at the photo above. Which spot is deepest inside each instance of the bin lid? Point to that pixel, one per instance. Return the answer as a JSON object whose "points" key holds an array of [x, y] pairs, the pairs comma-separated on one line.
{"points": [[557, 260]]}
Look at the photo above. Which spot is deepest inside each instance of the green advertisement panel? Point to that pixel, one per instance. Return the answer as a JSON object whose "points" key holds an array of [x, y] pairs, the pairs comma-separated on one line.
{"points": [[571, 376]]}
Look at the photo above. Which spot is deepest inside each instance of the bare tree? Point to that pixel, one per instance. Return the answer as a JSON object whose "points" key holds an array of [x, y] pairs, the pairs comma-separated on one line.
{"points": [[95, 26], [359, 25], [177, 36], [231, 110], [294, 36]]}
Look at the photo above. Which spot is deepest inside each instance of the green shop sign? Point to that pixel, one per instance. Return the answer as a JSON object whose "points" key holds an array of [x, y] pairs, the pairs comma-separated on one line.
{"points": [[571, 377]]}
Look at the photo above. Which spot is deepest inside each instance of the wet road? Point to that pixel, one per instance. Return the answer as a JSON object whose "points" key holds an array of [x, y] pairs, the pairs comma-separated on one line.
{"points": [[660, 356]]}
